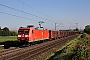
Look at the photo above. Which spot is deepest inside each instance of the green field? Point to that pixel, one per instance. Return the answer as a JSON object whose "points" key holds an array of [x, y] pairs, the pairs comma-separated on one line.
{"points": [[8, 38]]}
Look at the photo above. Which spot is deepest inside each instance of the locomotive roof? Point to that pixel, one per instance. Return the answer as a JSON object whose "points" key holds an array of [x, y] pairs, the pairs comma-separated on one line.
{"points": [[24, 28]]}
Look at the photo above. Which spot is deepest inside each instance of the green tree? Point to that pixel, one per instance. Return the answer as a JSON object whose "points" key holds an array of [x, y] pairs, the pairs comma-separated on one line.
{"points": [[5, 31], [12, 33], [76, 29], [87, 29]]}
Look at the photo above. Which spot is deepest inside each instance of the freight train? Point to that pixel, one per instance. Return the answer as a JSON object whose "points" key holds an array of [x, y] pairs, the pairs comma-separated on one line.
{"points": [[29, 34]]}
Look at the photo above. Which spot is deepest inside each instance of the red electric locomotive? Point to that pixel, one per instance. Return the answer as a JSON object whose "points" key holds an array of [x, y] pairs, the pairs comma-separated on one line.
{"points": [[30, 34]]}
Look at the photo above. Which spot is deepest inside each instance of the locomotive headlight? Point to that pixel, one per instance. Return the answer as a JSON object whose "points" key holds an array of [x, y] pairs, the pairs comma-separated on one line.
{"points": [[19, 35], [26, 35]]}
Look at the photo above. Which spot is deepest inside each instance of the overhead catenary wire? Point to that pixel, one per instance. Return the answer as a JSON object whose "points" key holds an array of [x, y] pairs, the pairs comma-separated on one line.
{"points": [[26, 13], [37, 10], [21, 17], [17, 16], [31, 7]]}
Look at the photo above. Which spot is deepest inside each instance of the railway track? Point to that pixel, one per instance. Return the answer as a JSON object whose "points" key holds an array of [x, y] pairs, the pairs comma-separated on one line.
{"points": [[4, 50], [27, 52], [45, 48], [8, 52]]}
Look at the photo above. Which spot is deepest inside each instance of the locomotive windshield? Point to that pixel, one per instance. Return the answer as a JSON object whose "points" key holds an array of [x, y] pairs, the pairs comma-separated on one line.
{"points": [[23, 31]]}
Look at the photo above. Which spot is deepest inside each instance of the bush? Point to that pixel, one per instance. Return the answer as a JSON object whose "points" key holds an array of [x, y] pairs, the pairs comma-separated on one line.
{"points": [[83, 35], [87, 29]]}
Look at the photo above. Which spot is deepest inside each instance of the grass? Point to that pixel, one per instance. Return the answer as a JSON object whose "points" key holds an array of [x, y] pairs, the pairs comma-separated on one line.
{"points": [[1, 48], [65, 52], [8, 38], [77, 49], [88, 47], [8, 41]]}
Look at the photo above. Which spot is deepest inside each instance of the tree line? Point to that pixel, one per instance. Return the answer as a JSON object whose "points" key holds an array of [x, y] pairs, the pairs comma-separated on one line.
{"points": [[6, 32]]}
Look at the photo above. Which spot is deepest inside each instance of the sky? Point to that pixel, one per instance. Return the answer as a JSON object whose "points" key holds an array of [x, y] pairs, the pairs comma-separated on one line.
{"points": [[67, 14]]}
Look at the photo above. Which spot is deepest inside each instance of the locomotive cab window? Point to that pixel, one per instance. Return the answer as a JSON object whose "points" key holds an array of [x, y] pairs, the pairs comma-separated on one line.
{"points": [[26, 31], [20, 31], [23, 31]]}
